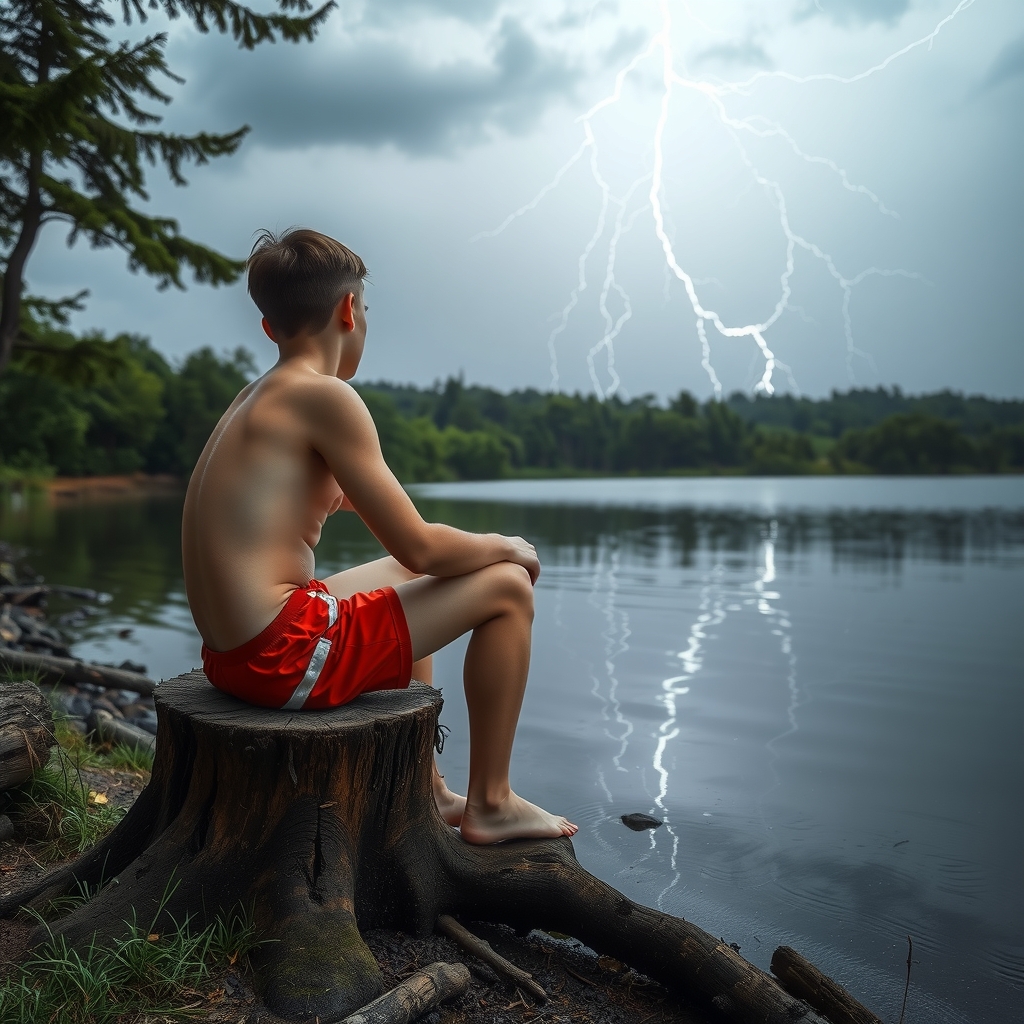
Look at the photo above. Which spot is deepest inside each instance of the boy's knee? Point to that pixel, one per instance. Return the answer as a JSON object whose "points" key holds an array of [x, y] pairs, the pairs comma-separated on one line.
{"points": [[514, 585]]}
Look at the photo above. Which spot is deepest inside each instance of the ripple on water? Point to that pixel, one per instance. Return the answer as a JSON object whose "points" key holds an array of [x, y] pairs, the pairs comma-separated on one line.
{"points": [[1008, 963], [960, 878]]}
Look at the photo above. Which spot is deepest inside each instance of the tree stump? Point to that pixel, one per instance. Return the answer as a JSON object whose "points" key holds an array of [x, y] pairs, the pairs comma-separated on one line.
{"points": [[26, 732], [323, 823]]}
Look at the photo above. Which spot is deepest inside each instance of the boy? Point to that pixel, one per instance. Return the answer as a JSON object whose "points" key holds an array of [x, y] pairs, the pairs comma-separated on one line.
{"points": [[296, 446]]}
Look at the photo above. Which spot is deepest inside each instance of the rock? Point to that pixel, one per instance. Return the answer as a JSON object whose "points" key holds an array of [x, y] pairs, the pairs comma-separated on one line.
{"points": [[102, 703], [77, 706], [133, 666], [10, 631], [72, 618], [143, 717], [122, 698], [6, 828], [116, 730], [638, 822]]}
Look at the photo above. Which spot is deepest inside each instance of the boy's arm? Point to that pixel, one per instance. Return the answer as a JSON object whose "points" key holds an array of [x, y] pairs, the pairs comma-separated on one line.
{"points": [[345, 436]]}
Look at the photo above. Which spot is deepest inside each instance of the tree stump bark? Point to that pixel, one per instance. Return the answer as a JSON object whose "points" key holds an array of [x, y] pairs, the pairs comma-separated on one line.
{"points": [[323, 823], [26, 732]]}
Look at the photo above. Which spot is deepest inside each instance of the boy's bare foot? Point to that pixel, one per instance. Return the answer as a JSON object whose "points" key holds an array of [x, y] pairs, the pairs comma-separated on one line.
{"points": [[514, 818], [450, 804]]}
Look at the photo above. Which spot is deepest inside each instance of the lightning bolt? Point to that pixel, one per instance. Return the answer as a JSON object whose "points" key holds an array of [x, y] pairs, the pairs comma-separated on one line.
{"points": [[716, 94]]}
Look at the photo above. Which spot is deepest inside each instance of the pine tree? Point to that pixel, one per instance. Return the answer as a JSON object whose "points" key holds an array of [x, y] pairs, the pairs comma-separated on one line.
{"points": [[76, 134]]}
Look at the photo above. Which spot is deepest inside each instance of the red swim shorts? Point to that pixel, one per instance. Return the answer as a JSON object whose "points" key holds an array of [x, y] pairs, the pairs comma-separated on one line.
{"points": [[319, 652]]}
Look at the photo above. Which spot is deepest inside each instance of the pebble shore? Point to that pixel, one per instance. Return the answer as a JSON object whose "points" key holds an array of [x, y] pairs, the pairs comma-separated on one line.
{"points": [[25, 626]]}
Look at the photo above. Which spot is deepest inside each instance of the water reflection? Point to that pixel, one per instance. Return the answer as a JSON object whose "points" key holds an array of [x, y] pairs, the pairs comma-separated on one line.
{"points": [[823, 704]]}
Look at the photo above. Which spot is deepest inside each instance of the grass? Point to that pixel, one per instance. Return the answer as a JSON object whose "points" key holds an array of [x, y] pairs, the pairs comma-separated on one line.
{"points": [[84, 755], [139, 976], [57, 807], [127, 758]]}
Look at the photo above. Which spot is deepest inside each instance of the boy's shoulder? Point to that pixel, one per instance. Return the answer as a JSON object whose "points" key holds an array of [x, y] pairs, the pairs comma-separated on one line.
{"points": [[318, 398], [305, 385]]}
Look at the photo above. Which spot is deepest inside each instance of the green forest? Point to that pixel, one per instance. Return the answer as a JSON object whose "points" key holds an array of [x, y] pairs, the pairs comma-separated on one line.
{"points": [[452, 431], [81, 406], [95, 406]]}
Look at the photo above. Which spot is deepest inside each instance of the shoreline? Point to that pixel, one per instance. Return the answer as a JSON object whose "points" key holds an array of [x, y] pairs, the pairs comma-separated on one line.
{"points": [[71, 488]]}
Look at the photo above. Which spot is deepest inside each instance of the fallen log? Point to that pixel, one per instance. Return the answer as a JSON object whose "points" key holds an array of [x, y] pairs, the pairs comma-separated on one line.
{"points": [[482, 950], [20, 593], [800, 978], [415, 996], [116, 730], [23, 594], [26, 732], [50, 669], [324, 823]]}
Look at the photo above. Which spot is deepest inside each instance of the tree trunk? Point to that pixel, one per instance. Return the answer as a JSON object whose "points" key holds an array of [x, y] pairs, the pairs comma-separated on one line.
{"points": [[26, 732], [323, 822], [13, 277]]}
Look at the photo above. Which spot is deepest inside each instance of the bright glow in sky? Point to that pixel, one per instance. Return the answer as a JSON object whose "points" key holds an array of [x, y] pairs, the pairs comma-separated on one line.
{"points": [[412, 129]]}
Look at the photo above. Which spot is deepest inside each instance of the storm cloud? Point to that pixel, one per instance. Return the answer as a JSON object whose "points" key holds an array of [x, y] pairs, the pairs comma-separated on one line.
{"points": [[844, 12], [1009, 63], [377, 92]]}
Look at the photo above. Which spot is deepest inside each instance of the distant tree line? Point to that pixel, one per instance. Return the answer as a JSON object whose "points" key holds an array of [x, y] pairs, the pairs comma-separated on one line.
{"points": [[92, 405], [453, 431]]}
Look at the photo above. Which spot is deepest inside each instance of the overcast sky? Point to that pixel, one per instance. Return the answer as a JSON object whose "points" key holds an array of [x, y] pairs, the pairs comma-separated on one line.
{"points": [[411, 129]]}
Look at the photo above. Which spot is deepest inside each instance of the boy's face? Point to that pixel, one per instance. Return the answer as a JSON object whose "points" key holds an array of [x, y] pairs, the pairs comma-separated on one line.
{"points": [[352, 319]]}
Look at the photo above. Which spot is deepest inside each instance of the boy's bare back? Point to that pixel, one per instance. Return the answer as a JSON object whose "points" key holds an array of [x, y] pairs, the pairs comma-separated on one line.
{"points": [[256, 504]]}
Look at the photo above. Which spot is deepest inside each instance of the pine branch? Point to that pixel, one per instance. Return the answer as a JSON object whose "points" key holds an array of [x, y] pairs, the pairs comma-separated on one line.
{"points": [[78, 130], [248, 27]]}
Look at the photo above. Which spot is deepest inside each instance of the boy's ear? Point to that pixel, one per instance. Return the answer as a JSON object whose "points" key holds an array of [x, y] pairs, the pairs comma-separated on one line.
{"points": [[267, 331], [345, 312]]}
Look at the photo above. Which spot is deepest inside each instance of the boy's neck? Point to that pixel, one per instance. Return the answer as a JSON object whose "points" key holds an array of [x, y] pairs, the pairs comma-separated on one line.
{"points": [[325, 352], [319, 352], [334, 351]]}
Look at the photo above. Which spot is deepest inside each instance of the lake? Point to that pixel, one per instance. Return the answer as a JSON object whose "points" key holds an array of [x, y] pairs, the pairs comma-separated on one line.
{"points": [[816, 684]]}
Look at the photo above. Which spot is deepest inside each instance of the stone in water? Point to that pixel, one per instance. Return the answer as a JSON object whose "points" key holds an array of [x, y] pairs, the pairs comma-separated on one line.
{"points": [[638, 822]]}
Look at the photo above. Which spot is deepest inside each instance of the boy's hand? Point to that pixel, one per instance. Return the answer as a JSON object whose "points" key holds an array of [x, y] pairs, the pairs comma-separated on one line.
{"points": [[525, 554]]}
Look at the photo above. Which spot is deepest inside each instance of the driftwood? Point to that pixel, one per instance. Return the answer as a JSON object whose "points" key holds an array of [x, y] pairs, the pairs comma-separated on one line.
{"points": [[117, 730], [802, 979], [482, 950], [415, 996], [26, 732], [26, 593], [323, 822], [70, 670]]}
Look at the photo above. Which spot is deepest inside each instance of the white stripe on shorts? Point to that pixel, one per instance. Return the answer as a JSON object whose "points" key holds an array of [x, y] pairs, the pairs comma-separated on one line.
{"points": [[316, 666], [332, 605]]}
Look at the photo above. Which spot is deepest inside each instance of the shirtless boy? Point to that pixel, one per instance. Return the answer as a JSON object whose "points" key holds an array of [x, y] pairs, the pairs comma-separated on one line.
{"points": [[298, 445]]}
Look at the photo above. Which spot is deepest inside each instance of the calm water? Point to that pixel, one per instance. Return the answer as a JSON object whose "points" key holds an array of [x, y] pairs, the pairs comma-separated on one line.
{"points": [[817, 684]]}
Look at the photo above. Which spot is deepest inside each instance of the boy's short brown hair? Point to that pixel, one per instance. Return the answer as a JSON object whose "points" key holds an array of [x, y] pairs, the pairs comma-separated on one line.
{"points": [[298, 279]]}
